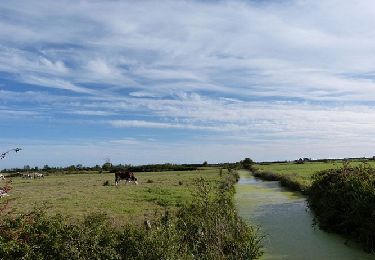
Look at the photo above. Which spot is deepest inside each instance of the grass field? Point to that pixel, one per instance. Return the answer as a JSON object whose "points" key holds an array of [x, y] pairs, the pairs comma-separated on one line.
{"points": [[303, 172], [78, 194]]}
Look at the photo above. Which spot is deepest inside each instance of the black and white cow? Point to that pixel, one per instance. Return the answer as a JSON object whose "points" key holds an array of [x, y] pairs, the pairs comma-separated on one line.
{"points": [[27, 176], [2, 177], [3, 193], [127, 176]]}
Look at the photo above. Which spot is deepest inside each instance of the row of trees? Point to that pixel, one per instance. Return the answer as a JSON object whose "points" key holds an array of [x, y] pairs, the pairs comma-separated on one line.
{"points": [[109, 167]]}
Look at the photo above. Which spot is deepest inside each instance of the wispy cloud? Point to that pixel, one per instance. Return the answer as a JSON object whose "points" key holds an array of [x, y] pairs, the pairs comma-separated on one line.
{"points": [[54, 83]]}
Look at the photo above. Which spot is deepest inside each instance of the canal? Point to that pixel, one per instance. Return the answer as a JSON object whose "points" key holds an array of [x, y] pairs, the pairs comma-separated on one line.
{"points": [[286, 222]]}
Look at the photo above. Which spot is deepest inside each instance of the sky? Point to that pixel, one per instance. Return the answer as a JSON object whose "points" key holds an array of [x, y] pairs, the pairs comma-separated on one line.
{"points": [[137, 82]]}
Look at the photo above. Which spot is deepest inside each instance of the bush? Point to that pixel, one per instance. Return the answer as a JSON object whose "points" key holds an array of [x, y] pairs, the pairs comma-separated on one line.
{"points": [[106, 183], [38, 236], [343, 201], [212, 229]]}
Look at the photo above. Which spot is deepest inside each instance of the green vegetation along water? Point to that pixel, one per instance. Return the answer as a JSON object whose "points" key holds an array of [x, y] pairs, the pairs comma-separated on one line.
{"points": [[283, 217]]}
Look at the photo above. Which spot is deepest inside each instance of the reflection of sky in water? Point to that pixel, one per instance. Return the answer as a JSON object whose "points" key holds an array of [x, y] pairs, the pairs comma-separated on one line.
{"points": [[287, 223]]}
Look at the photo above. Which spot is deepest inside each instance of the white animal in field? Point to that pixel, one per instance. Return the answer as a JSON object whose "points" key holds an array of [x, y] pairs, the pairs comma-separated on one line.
{"points": [[38, 175], [2, 177], [3, 193], [34, 175]]}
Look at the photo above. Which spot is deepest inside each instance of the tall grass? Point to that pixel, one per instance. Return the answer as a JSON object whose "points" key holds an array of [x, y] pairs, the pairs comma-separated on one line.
{"points": [[289, 181]]}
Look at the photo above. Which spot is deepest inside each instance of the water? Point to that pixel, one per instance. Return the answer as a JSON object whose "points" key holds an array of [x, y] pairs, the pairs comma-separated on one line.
{"points": [[284, 219]]}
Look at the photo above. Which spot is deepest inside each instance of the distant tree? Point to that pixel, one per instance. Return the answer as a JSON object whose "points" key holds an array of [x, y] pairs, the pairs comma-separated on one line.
{"points": [[247, 163], [205, 164], [107, 166], [71, 168]]}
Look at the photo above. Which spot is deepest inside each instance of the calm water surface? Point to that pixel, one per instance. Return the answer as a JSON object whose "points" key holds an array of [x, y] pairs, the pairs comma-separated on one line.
{"points": [[287, 224]]}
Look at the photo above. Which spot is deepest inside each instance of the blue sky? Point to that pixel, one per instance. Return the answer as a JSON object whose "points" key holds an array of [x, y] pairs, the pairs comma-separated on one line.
{"points": [[185, 81]]}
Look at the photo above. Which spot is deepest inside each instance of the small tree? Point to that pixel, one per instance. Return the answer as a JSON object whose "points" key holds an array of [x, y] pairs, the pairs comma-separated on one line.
{"points": [[247, 164], [107, 166]]}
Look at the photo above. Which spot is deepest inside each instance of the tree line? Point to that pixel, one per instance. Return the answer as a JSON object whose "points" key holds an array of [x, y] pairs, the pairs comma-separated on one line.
{"points": [[109, 167]]}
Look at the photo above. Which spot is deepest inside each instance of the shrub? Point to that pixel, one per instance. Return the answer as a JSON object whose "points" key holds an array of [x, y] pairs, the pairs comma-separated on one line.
{"points": [[149, 181], [106, 183], [180, 183], [343, 201], [38, 236], [211, 228]]}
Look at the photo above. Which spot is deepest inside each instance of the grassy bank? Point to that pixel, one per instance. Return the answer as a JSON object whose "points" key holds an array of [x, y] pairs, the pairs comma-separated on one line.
{"points": [[207, 227], [298, 177], [290, 181]]}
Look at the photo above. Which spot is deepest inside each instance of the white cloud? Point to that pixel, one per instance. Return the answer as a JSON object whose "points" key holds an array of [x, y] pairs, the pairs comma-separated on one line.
{"points": [[7, 113], [92, 112], [99, 66], [55, 83], [57, 66], [158, 125]]}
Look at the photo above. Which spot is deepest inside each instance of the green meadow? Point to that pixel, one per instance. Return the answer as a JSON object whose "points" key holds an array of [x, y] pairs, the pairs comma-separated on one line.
{"points": [[77, 195], [302, 172]]}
